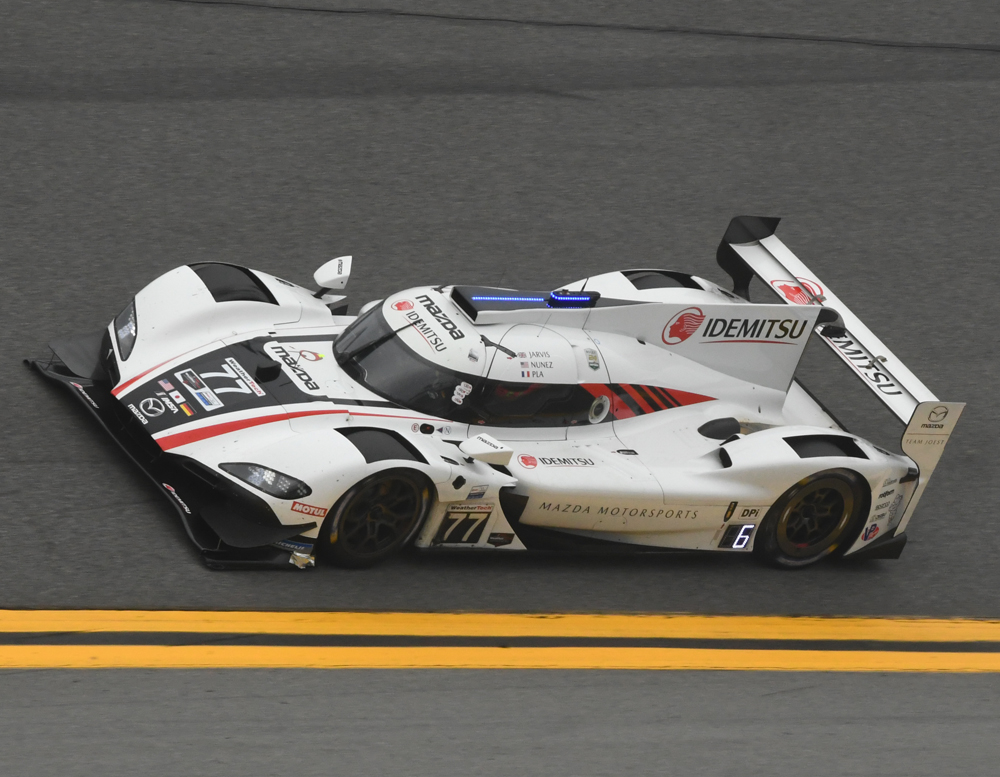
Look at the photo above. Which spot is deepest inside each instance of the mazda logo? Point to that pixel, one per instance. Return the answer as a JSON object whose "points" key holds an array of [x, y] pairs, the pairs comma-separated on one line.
{"points": [[152, 407], [938, 414]]}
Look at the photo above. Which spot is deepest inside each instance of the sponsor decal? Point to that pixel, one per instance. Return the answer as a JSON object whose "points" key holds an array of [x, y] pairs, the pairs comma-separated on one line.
{"points": [[682, 326], [528, 462], [152, 407], [894, 510], [176, 496], [889, 482], [244, 376], [881, 506], [868, 368], [298, 373], [800, 291], [311, 356], [935, 418], [302, 507], [462, 390], [426, 331], [592, 361], [403, 304], [753, 330], [625, 512], [477, 492], [463, 524], [731, 330], [884, 494], [166, 401], [750, 512], [729, 511], [498, 539], [870, 533], [193, 383], [293, 546], [83, 391], [558, 461], [138, 415], [737, 537], [441, 317]]}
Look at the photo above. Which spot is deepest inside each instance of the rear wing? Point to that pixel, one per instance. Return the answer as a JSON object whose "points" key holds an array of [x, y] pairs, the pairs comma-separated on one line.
{"points": [[750, 248]]}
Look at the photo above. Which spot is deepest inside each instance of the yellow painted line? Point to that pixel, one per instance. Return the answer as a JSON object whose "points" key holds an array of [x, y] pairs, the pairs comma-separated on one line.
{"points": [[242, 657], [505, 625]]}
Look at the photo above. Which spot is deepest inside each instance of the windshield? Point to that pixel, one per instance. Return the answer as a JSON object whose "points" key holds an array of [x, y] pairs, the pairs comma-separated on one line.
{"points": [[371, 353]]}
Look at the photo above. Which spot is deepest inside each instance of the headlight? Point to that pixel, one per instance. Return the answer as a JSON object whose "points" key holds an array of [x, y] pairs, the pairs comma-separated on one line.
{"points": [[125, 329], [268, 480]]}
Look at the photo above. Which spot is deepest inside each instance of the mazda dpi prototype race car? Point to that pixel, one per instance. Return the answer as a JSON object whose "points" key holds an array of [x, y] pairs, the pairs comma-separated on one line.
{"points": [[644, 408]]}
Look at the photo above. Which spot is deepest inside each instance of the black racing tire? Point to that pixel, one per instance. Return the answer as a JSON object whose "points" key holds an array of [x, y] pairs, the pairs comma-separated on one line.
{"points": [[817, 517], [376, 518]]}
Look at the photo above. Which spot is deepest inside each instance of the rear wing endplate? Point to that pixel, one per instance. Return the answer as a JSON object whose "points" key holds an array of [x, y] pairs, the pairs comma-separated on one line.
{"points": [[750, 248]]}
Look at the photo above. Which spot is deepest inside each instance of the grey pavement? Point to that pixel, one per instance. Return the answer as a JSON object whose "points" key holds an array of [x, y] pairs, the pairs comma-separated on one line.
{"points": [[440, 723]]}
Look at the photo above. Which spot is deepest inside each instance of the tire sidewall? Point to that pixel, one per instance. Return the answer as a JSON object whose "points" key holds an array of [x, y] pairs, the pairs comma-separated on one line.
{"points": [[766, 545], [336, 553]]}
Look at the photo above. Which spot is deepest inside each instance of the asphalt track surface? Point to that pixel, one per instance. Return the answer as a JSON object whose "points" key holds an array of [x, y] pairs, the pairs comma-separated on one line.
{"points": [[137, 135]]}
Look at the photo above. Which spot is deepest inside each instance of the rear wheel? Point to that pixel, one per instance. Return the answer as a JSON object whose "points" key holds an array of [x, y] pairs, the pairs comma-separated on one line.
{"points": [[376, 518], [815, 518]]}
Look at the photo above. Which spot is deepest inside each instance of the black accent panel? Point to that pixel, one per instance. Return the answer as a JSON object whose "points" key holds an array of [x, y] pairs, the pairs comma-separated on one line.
{"points": [[813, 446], [82, 354], [911, 474], [719, 428], [738, 270], [660, 279], [545, 539], [748, 229], [725, 459], [827, 316], [239, 530], [742, 229], [512, 504], [232, 283], [382, 445], [188, 485], [889, 547]]}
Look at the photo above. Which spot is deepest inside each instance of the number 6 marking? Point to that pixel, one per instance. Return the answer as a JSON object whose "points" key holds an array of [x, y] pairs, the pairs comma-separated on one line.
{"points": [[743, 537]]}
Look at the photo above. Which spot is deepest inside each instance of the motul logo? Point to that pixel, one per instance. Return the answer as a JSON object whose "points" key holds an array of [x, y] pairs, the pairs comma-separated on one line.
{"points": [[301, 507], [682, 326]]}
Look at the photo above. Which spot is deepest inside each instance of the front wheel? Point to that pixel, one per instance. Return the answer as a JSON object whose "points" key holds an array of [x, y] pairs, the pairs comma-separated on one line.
{"points": [[375, 518], [813, 519]]}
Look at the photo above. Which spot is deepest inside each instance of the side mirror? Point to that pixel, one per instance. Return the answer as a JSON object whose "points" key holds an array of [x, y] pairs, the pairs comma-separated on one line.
{"points": [[486, 449], [334, 274]]}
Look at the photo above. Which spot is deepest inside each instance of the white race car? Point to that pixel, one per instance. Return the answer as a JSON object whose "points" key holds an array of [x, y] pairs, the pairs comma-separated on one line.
{"points": [[643, 408]]}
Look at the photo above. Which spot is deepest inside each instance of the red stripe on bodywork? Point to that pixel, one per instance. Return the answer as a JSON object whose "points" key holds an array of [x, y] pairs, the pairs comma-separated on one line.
{"points": [[119, 389], [196, 435], [687, 397], [664, 396], [618, 407], [642, 403]]}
